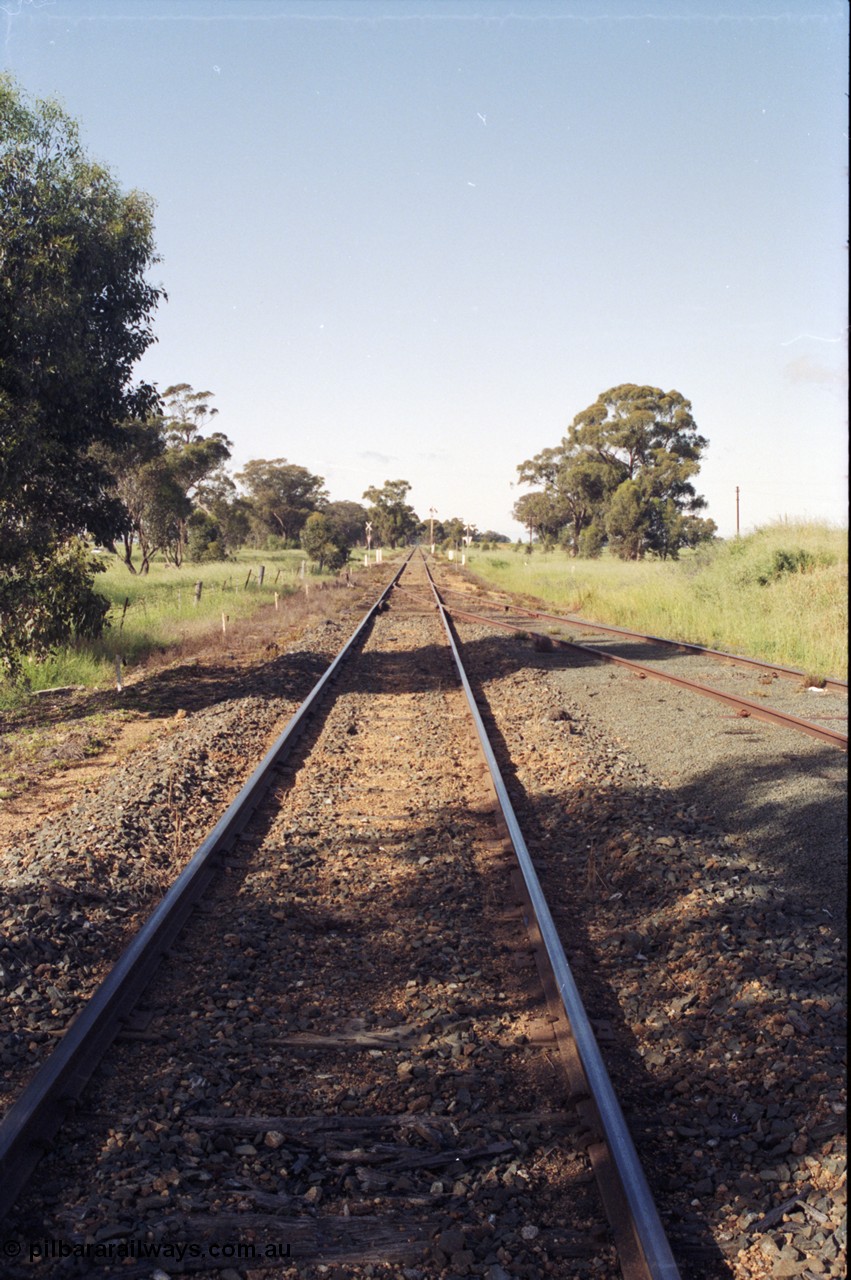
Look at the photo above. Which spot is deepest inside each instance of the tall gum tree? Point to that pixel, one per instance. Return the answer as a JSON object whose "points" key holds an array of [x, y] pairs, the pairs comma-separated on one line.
{"points": [[282, 495], [76, 308], [195, 462], [165, 469], [394, 521], [646, 439], [625, 470]]}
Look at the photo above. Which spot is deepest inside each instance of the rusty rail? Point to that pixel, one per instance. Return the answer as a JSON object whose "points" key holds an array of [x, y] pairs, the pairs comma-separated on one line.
{"points": [[621, 1177], [744, 706], [34, 1118], [568, 620]]}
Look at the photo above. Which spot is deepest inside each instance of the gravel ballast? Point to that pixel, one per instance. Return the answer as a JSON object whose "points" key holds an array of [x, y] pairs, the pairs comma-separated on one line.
{"points": [[696, 867]]}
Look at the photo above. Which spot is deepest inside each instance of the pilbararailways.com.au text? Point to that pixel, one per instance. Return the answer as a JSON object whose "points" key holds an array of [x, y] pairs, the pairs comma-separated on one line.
{"points": [[118, 1250]]}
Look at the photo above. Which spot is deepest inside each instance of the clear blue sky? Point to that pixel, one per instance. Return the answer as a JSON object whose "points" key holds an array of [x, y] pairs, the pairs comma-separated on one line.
{"points": [[414, 239]]}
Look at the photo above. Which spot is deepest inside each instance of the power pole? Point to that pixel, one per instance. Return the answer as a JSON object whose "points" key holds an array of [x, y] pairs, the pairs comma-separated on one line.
{"points": [[737, 511]]}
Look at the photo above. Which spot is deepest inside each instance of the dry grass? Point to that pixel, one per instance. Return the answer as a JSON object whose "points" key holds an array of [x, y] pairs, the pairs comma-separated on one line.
{"points": [[780, 594]]}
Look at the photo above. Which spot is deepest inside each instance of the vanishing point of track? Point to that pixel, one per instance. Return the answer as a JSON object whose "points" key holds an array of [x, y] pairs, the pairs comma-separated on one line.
{"points": [[377, 1080]]}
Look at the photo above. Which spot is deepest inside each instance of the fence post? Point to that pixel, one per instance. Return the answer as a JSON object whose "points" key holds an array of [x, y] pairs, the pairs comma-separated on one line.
{"points": [[123, 612], [198, 587], [247, 580], [261, 573]]}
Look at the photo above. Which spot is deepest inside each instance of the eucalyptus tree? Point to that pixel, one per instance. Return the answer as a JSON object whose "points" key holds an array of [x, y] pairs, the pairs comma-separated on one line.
{"points": [[348, 520], [321, 540], [575, 486], [393, 520], [648, 444], [452, 531], [164, 469], [194, 461], [538, 513], [282, 495], [76, 309], [623, 473]]}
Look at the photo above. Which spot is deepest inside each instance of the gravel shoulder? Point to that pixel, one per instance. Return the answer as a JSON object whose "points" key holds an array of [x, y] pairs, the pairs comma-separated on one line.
{"points": [[779, 793]]}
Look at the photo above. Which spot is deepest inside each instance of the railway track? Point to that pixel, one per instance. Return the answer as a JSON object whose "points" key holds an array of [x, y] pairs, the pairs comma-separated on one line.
{"points": [[346, 1059], [751, 688], [714, 973]]}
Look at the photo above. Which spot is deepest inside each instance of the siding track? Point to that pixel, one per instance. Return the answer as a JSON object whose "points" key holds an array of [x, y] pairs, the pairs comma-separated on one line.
{"points": [[690, 667]]}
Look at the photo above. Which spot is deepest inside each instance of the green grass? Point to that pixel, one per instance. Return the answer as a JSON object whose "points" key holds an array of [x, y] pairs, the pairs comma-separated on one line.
{"points": [[162, 604], [161, 612], [780, 594]]}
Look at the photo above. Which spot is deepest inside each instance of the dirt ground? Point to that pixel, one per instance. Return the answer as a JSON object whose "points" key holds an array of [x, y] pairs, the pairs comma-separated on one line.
{"points": [[61, 744]]}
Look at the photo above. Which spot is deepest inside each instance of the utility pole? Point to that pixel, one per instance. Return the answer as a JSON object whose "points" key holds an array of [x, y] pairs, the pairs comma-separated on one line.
{"points": [[737, 511], [432, 512]]}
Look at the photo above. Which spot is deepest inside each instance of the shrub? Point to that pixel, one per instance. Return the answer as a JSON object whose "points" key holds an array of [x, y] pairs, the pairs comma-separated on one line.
{"points": [[204, 544], [797, 561], [49, 601], [591, 542]]}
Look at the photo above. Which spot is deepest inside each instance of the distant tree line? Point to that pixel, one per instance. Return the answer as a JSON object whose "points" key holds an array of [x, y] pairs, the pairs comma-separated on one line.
{"points": [[87, 455]]}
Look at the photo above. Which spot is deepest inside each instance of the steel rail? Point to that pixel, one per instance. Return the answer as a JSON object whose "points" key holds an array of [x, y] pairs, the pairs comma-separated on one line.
{"points": [[831, 682], [647, 1227], [746, 706], [32, 1121]]}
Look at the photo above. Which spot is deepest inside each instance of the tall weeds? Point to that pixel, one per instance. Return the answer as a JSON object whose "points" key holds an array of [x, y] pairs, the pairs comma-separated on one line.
{"points": [[780, 594]]}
